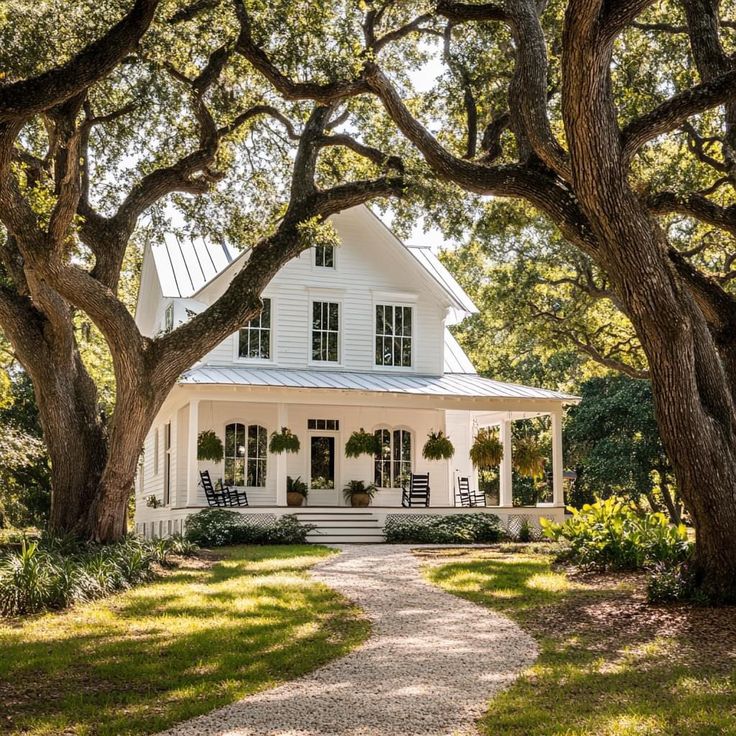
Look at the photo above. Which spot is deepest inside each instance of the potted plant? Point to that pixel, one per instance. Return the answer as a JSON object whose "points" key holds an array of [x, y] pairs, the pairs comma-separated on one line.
{"points": [[209, 446], [528, 456], [438, 447], [358, 493], [487, 449], [362, 443], [296, 491], [283, 441]]}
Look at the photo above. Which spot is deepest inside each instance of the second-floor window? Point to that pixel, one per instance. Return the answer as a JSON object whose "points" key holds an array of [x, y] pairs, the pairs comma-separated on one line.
{"points": [[326, 332], [393, 335], [255, 338], [324, 256]]}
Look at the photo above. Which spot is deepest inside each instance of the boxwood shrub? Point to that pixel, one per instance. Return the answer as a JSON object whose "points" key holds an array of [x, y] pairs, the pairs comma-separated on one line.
{"points": [[219, 527], [452, 529]]}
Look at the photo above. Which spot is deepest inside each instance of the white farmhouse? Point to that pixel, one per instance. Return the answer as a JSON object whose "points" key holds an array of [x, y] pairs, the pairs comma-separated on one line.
{"points": [[350, 337]]}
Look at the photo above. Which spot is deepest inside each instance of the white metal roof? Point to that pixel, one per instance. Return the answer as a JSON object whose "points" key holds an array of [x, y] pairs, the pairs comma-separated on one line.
{"points": [[442, 276], [185, 264], [456, 361], [451, 385]]}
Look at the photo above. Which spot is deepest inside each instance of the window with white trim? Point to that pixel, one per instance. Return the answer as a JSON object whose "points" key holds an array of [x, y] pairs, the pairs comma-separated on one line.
{"points": [[169, 318], [254, 341], [392, 465], [326, 332], [155, 451], [167, 463], [324, 256], [245, 455], [393, 335]]}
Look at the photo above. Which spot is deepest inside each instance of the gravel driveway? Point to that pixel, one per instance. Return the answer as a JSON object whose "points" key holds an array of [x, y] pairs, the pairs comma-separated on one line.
{"points": [[429, 666]]}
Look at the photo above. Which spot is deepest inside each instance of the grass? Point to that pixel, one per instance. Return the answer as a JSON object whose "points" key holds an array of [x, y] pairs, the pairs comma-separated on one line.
{"points": [[199, 638], [610, 664]]}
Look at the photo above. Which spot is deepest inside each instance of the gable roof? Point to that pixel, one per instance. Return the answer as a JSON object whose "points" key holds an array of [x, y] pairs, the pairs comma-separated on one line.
{"points": [[432, 264], [456, 361], [185, 265]]}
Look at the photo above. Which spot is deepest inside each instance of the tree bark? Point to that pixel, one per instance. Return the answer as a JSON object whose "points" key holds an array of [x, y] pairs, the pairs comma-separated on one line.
{"points": [[692, 395]]}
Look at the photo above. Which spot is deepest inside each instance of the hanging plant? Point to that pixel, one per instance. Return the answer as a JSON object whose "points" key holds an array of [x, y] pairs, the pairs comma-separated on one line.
{"points": [[209, 446], [283, 441], [529, 458], [487, 449], [362, 443], [438, 447]]}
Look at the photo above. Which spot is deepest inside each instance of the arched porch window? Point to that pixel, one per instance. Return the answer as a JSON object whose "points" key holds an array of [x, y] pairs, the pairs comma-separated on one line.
{"points": [[245, 454], [393, 463]]}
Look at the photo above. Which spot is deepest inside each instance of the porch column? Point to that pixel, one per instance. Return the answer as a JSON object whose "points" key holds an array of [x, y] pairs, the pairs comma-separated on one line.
{"points": [[506, 496], [558, 495], [282, 420], [192, 467]]}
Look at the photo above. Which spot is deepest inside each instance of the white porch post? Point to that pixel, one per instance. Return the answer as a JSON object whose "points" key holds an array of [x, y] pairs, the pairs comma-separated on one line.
{"points": [[192, 467], [558, 495], [282, 419], [506, 496]]}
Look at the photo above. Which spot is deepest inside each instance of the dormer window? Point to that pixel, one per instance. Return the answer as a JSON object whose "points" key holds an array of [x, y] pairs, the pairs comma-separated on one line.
{"points": [[324, 256], [254, 342], [393, 335]]}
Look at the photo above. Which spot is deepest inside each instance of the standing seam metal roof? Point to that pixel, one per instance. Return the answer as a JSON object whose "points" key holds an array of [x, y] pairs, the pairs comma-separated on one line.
{"points": [[458, 384]]}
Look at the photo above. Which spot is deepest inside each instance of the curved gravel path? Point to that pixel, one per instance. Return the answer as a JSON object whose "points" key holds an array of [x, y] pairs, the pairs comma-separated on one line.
{"points": [[429, 667]]}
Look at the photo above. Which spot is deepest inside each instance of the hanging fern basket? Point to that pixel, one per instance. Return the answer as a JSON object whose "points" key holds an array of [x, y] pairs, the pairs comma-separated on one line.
{"points": [[438, 447], [362, 443], [487, 450], [209, 446], [529, 457], [283, 441]]}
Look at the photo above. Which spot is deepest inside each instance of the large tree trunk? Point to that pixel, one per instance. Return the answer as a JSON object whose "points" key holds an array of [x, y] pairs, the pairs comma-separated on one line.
{"points": [[76, 442], [692, 394]]}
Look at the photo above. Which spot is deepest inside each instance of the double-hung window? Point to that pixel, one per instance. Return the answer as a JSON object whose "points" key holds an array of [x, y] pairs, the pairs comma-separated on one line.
{"points": [[326, 332], [254, 341], [324, 256], [393, 335]]}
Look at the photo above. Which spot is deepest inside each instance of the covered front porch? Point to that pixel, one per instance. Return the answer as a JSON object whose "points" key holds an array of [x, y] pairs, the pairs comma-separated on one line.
{"points": [[244, 414]]}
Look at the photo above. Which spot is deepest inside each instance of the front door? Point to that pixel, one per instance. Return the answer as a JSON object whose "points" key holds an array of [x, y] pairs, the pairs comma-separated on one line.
{"points": [[322, 469]]}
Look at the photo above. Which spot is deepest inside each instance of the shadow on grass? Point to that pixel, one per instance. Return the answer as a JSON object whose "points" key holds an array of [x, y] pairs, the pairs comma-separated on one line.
{"points": [[609, 664], [191, 642]]}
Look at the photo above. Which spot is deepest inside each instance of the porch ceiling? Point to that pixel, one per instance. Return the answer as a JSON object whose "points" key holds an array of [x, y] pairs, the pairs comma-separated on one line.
{"points": [[455, 385]]}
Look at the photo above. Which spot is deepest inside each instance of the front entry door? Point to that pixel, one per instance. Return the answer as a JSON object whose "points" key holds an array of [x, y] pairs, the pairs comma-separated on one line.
{"points": [[322, 469]]}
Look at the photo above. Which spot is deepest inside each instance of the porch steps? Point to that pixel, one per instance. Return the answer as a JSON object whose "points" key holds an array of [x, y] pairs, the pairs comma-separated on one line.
{"points": [[346, 526]]}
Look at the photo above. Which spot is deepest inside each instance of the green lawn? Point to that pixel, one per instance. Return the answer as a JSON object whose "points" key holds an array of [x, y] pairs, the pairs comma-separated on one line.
{"points": [[610, 664], [202, 637]]}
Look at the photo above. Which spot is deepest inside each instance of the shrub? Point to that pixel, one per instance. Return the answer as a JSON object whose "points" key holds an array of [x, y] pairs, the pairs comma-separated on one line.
{"points": [[59, 571], [614, 535], [453, 529], [526, 532], [220, 527]]}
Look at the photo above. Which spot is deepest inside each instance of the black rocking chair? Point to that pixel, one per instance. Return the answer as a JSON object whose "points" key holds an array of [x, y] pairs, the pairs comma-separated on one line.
{"points": [[226, 497], [417, 494], [463, 497]]}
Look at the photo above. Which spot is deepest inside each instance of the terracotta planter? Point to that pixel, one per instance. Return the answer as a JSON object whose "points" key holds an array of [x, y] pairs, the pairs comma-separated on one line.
{"points": [[360, 499], [294, 499]]}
